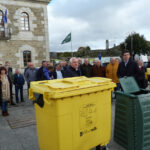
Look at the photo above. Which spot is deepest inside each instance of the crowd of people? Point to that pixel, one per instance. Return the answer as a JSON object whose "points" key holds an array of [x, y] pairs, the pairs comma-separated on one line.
{"points": [[114, 70]]}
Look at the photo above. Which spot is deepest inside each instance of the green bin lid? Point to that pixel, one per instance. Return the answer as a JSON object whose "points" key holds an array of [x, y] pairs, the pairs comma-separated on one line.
{"points": [[129, 85]]}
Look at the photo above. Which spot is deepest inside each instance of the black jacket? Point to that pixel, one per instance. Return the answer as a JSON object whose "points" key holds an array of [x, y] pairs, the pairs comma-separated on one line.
{"points": [[55, 74], [142, 82], [86, 70], [40, 75], [0, 93], [71, 72], [148, 65], [18, 80], [131, 69]]}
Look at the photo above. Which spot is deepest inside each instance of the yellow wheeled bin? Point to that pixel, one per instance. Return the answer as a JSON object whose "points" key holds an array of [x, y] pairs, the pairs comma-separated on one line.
{"points": [[148, 71], [72, 113], [148, 76]]}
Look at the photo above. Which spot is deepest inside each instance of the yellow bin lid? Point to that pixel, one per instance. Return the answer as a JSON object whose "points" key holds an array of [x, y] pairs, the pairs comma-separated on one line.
{"points": [[148, 71], [68, 87]]}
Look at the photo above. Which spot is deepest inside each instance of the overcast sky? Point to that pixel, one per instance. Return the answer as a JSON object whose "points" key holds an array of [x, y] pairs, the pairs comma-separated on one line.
{"points": [[93, 21]]}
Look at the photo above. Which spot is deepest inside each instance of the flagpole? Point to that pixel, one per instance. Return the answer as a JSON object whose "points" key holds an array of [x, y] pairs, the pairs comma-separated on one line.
{"points": [[71, 44]]}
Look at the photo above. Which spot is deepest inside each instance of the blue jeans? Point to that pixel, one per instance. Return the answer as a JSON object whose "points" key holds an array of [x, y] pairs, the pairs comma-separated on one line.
{"points": [[4, 106], [17, 88]]}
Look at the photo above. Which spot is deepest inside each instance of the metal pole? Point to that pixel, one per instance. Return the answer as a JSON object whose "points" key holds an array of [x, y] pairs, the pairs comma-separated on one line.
{"points": [[71, 45]]}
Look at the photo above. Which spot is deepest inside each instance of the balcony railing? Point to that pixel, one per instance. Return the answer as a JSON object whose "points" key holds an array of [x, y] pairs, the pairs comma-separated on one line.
{"points": [[5, 33]]}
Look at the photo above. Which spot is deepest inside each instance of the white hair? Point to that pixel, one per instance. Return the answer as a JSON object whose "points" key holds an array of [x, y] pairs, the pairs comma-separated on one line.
{"points": [[71, 59]]}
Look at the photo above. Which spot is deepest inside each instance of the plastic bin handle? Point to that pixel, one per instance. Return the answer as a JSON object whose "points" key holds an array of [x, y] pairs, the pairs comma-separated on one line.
{"points": [[46, 97], [39, 100], [76, 82], [126, 94]]}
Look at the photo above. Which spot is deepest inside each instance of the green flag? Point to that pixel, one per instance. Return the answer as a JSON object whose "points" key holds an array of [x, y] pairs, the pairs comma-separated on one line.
{"points": [[67, 39]]}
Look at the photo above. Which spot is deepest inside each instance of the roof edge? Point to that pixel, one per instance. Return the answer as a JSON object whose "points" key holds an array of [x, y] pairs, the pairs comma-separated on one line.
{"points": [[35, 1]]}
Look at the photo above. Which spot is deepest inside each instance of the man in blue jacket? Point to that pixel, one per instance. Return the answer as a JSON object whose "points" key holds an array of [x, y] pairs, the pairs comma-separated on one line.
{"points": [[19, 82], [40, 72]]}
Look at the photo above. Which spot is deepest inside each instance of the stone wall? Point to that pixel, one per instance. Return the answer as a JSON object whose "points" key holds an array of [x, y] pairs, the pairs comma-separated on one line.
{"points": [[36, 40], [36, 1]]}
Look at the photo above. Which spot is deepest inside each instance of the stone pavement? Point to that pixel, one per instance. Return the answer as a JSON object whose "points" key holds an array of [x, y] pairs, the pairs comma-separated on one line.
{"points": [[25, 138]]}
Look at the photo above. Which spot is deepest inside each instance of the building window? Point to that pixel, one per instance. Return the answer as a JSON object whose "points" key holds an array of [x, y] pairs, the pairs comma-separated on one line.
{"points": [[24, 21], [26, 57], [1, 18]]}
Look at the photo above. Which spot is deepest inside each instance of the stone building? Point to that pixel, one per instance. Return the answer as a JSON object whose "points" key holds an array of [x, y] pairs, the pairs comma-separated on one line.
{"points": [[25, 36]]}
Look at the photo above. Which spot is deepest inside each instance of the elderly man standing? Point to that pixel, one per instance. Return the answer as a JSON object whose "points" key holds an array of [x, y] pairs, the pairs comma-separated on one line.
{"points": [[98, 69], [73, 69], [128, 67], [148, 66], [111, 70], [58, 73], [11, 80], [63, 65], [142, 82], [40, 73], [31, 74], [18, 82], [86, 68]]}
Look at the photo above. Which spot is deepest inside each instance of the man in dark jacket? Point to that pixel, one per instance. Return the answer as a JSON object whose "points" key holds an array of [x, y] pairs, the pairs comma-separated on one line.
{"points": [[142, 82], [128, 67], [86, 68], [63, 65], [18, 82], [40, 73], [98, 69], [58, 73], [72, 70], [10, 75], [28, 66], [148, 66]]}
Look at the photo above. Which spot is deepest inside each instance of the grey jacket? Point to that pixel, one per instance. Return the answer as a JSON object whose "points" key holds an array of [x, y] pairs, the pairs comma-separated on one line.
{"points": [[31, 75]]}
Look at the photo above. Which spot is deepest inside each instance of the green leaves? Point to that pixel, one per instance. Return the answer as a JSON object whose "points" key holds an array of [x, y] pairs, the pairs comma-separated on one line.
{"points": [[136, 44]]}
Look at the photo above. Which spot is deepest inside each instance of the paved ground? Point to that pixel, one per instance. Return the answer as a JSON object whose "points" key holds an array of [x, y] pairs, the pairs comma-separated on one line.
{"points": [[26, 138]]}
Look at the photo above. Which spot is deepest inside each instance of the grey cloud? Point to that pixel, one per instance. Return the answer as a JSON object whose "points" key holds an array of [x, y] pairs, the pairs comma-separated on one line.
{"points": [[92, 22]]}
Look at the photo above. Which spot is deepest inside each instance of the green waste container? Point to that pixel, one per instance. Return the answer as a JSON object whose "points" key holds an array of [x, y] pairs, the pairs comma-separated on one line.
{"points": [[132, 116]]}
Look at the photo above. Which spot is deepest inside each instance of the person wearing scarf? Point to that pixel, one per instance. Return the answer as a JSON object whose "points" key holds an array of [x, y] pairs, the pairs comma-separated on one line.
{"points": [[4, 91]]}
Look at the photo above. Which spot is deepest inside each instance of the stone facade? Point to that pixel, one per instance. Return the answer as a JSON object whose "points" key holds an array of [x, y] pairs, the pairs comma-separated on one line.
{"points": [[36, 40]]}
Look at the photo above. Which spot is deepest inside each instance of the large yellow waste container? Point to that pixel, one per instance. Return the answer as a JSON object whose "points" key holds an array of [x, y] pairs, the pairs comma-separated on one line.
{"points": [[74, 114], [148, 71]]}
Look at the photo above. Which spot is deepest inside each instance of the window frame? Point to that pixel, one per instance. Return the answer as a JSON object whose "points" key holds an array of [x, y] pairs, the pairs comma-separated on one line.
{"points": [[27, 57], [2, 23], [24, 22]]}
